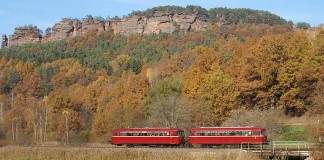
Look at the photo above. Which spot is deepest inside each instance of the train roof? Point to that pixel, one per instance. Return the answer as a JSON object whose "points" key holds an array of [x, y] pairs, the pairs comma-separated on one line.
{"points": [[225, 128], [147, 129]]}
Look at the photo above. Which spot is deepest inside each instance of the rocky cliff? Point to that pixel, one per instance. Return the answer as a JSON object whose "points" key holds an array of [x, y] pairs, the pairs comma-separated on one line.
{"points": [[64, 29], [163, 19], [165, 22], [26, 34], [159, 22]]}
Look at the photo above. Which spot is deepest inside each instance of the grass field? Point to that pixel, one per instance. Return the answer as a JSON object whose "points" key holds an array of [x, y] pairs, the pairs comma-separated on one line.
{"points": [[294, 133], [79, 153]]}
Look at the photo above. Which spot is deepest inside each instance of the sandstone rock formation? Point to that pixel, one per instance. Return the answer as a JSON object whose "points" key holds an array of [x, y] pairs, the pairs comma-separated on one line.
{"points": [[92, 25], [26, 34], [4, 41], [165, 22], [64, 29], [128, 25], [160, 22]]}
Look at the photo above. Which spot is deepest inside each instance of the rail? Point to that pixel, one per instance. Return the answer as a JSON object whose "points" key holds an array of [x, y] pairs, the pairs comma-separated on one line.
{"points": [[289, 145], [284, 148]]}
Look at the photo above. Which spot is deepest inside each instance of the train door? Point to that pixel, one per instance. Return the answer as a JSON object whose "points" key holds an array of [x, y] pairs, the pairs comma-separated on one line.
{"points": [[171, 134], [192, 137]]}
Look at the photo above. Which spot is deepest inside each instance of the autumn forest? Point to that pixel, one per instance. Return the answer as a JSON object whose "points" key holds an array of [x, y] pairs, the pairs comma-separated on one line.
{"points": [[80, 89]]}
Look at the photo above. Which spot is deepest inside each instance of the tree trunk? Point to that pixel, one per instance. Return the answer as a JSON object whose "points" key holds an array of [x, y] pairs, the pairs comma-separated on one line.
{"points": [[1, 112], [16, 131], [45, 127], [40, 129], [12, 98], [35, 131], [13, 129], [67, 129]]}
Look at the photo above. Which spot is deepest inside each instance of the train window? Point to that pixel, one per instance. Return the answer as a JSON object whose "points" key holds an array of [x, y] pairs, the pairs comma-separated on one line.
{"points": [[123, 133], [264, 133], [201, 133], [246, 133], [238, 133], [180, 133], [256, 133]]}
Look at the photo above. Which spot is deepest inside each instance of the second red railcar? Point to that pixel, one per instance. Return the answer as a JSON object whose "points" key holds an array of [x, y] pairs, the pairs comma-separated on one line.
{"points": [[148, 136], [227, 135]]}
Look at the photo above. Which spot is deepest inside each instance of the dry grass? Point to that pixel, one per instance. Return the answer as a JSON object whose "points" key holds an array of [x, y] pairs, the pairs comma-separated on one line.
{"points": [[79, 153]]}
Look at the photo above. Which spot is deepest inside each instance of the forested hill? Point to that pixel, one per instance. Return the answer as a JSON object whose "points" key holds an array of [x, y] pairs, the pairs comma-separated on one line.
{"points": [[80, 88], [219, 15]]}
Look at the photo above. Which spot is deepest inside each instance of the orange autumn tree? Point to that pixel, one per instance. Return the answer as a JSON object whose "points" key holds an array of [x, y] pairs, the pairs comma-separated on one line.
{"points": [[294, 88], [125, 107], [210, 89], [259, 63], [58, 102]]}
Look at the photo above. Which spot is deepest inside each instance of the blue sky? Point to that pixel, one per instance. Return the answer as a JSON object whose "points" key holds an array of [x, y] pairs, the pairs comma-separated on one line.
{"points": [[45, 13]]}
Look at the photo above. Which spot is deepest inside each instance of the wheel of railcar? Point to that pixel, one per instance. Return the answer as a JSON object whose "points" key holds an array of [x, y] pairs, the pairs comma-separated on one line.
{"points": [[204, 146], [130, 145]]}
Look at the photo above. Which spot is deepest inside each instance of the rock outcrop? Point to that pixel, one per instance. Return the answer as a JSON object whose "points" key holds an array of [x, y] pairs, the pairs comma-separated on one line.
{"points": [[159, 22], [127, 25], [64, 29], [92, 25], [26, 34], [165, 22], [4, 41]]}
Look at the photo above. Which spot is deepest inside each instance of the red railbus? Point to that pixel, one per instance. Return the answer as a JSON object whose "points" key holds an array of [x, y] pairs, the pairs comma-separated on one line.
{"points": [[148, 136], [227, 135]]}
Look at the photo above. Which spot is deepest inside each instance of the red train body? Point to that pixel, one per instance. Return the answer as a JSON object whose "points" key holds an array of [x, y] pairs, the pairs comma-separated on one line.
{"points": [[148, 136], [227, 135]]}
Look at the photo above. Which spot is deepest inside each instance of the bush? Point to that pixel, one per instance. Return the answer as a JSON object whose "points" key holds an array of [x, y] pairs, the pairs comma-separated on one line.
{"points": [[268, 119], [84, 136]]}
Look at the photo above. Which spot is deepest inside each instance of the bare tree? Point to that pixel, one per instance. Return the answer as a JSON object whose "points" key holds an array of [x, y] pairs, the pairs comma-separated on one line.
{"points": [[172, 111], [66, 114], [1, 112], [202, 114], [46, 124], [15, 127], [46, 110], [269, 119], [33, 114]]}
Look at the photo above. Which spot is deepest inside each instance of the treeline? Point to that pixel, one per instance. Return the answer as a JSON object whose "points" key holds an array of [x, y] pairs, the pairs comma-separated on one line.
{"points": [[220, 15], [80, 89]]}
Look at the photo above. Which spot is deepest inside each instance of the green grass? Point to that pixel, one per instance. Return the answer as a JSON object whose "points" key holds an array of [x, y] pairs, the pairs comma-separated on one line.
{"points": [[294, 133]]}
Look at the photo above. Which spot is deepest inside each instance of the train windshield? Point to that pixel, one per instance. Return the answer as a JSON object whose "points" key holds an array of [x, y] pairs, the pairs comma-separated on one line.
{"points": [[180, 133], [263, 133]]}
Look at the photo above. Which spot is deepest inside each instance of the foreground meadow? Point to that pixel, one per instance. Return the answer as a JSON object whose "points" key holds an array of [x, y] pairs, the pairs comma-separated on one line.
{"points": [[76, 153]]}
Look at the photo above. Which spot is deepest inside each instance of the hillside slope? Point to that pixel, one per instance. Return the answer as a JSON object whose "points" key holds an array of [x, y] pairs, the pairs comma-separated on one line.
{"points": [[80, 88]]}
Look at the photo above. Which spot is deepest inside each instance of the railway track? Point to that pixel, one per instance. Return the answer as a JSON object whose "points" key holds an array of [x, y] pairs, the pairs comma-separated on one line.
{"points": [[126, 147]]}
